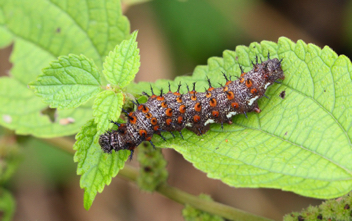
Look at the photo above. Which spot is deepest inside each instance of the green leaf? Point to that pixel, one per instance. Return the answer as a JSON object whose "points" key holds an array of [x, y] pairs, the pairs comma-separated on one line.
{"points": [[43, 30], [5, 37], [7, 205], [68, 82], [301, 143], [102, 22], [123, 63], [22, 111], [26, 70], [58, 27], [107, 106], [96, 167]]}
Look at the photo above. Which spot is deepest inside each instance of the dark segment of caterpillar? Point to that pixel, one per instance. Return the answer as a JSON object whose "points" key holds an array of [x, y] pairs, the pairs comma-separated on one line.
{"points": [[194, 110]]}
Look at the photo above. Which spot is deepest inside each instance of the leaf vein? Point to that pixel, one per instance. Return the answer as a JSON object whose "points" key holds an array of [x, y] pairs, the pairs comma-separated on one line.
{"points": [[324, 109]]}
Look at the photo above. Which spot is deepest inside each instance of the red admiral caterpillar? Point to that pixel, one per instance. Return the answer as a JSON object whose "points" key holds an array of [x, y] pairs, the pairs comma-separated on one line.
{"points": [[194, 110]]}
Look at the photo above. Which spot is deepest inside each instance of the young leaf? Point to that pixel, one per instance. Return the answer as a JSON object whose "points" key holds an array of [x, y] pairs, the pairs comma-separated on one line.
{"points": [[96, 167], [301, 143], [123, 63], [22, 111], [107, 107], [68, 82]]}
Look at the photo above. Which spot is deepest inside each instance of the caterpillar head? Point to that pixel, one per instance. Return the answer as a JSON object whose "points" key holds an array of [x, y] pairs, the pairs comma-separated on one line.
{"points": [[274, 70], [104, 142]]}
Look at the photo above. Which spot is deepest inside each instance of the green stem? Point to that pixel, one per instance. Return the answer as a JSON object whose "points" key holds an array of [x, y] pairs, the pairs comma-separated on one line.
{"points": [[130, 173], [182, 197]]}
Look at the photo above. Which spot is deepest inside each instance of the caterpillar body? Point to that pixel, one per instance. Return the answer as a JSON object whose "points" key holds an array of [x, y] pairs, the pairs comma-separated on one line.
{"points": [[194, 110]]}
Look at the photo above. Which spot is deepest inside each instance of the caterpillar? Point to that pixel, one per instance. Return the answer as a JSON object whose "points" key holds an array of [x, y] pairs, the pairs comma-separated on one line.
{"points": [[194, 110]]}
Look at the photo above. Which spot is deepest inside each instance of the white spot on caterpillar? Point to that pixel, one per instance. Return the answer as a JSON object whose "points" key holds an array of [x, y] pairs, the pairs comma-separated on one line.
{"points": [[250, 102], [231, 114], [189, 125], [267, 85], [209, 121]]}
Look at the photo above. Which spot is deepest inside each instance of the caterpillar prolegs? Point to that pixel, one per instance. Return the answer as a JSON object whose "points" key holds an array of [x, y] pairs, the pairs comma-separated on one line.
{"points": [[194, 110]]}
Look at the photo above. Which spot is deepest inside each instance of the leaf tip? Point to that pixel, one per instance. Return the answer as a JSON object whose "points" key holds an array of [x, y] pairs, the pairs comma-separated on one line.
{"points": [[134, 34], [87, 201]]}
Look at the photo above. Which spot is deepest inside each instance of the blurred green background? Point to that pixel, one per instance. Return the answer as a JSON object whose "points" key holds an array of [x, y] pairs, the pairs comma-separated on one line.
{"points": [[174, 37]]}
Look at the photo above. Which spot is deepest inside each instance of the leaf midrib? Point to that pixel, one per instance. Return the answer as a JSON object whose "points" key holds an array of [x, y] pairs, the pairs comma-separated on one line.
{"points": [[294, 144], [257, 166], [124, 63]]}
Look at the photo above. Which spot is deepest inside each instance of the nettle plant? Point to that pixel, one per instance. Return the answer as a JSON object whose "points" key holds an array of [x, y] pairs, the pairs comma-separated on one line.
{"points": [[300, 142]]}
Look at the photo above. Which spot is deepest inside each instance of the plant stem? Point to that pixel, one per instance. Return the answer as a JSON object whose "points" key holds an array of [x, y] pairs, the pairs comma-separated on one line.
{"points": [[130, 173], [182, 197]]}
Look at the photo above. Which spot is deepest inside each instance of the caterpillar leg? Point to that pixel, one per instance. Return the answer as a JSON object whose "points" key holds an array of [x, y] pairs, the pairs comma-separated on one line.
{"points": [[199, 130], [131, 155]]}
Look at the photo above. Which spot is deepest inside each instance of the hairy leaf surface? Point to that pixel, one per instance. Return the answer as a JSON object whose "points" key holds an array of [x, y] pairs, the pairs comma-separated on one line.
{"points": [[301, 143], [42, 31], [105, 106], [68, 82], [22, 111], [123, 63], [95, 167]]}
